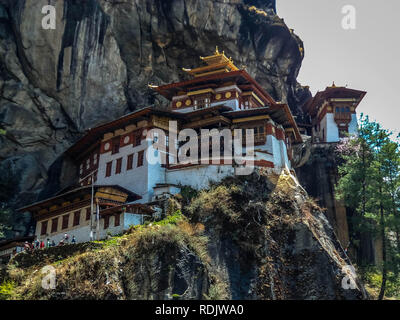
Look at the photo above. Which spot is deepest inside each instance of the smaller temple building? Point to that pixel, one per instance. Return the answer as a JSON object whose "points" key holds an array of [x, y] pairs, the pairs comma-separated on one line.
{"points": [[332, 113], [9, 248], [88, 213]]}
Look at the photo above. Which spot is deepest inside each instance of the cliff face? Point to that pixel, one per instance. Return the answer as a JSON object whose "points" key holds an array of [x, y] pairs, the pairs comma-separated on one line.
{"points": [[319, 176], [55, 84], [253, 237]]}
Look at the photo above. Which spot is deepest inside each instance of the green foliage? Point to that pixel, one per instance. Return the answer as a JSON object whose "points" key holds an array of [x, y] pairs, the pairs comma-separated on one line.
{"points": [[372, 277], [7, 290]]}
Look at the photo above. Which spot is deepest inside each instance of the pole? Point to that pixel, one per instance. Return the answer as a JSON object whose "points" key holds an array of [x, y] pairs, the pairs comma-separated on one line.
{"points": [[98, 220], [91, 210]]}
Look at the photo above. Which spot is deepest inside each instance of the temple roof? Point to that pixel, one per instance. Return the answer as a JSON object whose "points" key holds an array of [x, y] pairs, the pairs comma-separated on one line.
{"points": [[216, 63], [239, 77], [280, 113], [94, 135], [333, 92]]}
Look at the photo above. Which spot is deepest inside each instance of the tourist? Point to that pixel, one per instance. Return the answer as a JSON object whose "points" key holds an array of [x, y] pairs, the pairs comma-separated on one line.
{"points": [[27, 247], [48, 243], [61, 243], [53, 244], [66, 237], [41, 244], [73, 241], [37, 244]]}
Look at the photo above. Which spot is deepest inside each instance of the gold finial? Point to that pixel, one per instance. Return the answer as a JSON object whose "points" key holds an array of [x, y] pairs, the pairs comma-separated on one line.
{"points": [[333, 84], [152, 86], [187, 70], [216, 50]]}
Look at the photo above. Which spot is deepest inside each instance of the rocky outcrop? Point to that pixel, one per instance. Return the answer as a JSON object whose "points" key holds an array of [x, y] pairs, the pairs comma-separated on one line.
{"points": [[96, 64], [269, 240], [252, 237]]}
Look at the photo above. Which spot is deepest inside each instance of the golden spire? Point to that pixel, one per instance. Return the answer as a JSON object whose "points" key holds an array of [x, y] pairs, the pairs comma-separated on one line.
{"points": [[217, 63]]}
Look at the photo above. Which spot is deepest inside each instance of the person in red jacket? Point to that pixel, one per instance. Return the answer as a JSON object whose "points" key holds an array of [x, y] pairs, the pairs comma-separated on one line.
{"points": [[41, 244]]}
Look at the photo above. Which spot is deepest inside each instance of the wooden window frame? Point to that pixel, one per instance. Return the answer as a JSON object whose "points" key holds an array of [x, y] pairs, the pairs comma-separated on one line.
{"points": [[88, 213], [77, 218], [116, 144], [118, 167], [137, 139], [106, 222], [65, 221], [117, 220], [54, 225], [44, 226], [108, 169], [140, 159], [129, 164]]}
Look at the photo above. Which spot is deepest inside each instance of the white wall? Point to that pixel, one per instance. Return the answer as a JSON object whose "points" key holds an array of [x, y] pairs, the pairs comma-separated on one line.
{"points": [[331, 129], [198, 177], [353, 126], [135, 180], [82, 231]]}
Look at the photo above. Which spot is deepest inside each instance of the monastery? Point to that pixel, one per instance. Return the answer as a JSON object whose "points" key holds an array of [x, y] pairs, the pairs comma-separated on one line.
{"points": [[119, 187]]}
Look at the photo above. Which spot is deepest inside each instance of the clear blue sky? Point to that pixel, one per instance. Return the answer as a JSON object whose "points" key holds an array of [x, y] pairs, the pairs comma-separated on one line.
{"points": [[367, 58]]}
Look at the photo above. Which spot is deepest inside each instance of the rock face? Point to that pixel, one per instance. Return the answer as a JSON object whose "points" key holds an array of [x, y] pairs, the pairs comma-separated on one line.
{"points": [[319, 176], [96, 64]]}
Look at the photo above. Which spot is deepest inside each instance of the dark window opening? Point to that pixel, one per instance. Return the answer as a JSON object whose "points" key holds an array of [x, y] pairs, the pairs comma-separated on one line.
{"points": [[65, 221], [138, 139], [106, 222], [115, 146], [44, 228], [108, 169], [77, 216], [119, 165], [88, 213], [54, 225], [140, 158], [117, 220], [129, 164]]}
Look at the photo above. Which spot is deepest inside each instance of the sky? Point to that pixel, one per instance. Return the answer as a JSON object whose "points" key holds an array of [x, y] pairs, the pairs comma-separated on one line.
{"points": [[366, 58]]}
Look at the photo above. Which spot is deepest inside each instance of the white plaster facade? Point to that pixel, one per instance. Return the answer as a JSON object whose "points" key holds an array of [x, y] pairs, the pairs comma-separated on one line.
{"points": [[329, 130]]}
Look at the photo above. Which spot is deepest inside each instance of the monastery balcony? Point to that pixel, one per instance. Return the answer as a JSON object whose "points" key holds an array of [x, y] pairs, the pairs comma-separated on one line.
{"points": [[343, 116], [259, 139]]}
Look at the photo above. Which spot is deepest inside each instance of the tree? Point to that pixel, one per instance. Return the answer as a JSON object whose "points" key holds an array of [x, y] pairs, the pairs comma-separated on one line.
{"points": [[369, 184]]}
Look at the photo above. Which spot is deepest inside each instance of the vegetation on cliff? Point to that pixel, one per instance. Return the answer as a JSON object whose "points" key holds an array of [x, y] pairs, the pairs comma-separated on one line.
{"points": [[253, 237]]}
